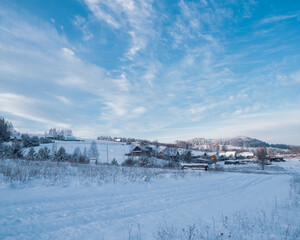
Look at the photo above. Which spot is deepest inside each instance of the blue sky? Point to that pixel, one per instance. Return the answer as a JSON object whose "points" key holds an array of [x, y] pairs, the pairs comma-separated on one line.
{"points": [[161, 70]]}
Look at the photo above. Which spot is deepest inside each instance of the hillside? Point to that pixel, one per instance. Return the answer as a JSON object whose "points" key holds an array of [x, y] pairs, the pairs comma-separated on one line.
{"points": [[239, 142]]}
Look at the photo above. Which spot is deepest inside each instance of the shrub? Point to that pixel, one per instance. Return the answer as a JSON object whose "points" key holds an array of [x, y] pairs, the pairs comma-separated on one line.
{"points": [[114, 162], [31, 155], [129, 162], [44, 153]]}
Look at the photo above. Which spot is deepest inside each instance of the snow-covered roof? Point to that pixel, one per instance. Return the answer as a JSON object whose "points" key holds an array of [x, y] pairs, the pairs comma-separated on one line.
{"points": [[18, 137], [246, 154], [70, 138]]}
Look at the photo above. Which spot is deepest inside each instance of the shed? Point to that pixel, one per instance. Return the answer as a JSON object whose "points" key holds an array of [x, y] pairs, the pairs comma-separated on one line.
{"points": [[93, 161]]}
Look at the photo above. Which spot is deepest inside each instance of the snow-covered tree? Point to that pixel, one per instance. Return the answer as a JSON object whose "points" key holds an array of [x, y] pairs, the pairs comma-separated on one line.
{"points": [[30, 141], [61, 155], [114, 162], [17, 150], [31, 155], [6, 151], [84, 156], [93, 151], [5, 130], [76, 155], [187, 156], [44, 153], [53, 150]]}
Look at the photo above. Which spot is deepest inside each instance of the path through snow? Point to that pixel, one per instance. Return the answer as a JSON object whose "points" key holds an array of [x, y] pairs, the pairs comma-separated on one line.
{"points": [[93, 212]]}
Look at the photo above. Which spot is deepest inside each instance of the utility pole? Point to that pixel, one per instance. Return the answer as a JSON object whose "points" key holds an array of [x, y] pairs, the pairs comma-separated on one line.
{"points": [[107, 153]]}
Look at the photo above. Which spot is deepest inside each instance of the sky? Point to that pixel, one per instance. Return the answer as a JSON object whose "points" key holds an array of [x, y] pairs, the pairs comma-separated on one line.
{"points": [[159, 70]]}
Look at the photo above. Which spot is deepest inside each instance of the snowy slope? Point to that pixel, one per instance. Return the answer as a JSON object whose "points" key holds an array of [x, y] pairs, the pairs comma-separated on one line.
{"points": [[107, 150], [110, 211]]}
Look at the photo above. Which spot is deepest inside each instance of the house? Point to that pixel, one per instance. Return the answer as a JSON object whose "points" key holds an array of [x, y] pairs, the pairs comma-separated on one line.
{"points": [[15, 138], [230, 153], [50, 136], [246, 154], [214, 158], [70, 138], [162, 155], [227, 154], [170, 153], [140, 151], [222, 154]]}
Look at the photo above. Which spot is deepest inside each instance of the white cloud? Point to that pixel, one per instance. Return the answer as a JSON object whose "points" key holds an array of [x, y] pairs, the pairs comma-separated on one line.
{"points": [[273, 127], [64, 100], [296, 77], [82, 25], [139, 111], [68, 53], [134, 17], [277, 18], [47, 64], [101, 14], [25, 107]]}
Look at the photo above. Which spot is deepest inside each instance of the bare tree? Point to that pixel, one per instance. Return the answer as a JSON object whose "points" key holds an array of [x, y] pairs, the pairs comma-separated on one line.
{"points": [[261, 154]]}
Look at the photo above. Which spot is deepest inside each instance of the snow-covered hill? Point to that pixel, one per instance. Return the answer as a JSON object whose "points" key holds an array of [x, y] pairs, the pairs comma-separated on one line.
{"points": [[239, 142], [107, 150]]}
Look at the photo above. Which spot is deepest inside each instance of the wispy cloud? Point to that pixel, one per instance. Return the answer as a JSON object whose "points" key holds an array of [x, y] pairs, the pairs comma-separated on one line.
{"points": [[47, 64], [188, 67], [27, 108], [81, 24], [273, 19], [133, 17]]}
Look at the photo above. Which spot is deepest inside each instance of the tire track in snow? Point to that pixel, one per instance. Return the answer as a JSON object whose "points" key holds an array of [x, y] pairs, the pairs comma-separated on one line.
{"points": [[54, 216]]}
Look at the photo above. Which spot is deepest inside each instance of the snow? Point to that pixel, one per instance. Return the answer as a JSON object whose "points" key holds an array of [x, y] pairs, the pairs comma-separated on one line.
{"points": [[112, 211], [107, 150], [291, 165]]}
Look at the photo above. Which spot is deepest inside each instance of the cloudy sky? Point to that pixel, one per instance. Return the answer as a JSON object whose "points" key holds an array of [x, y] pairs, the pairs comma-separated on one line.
{"points": [[163, 69]]}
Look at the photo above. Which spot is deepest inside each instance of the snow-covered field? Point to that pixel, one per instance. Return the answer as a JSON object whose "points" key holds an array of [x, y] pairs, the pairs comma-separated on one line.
{"points": [[156, 204], [107, 150]]}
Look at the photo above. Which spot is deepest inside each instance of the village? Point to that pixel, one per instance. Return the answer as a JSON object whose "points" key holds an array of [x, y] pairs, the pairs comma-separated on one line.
{"points": [[196, 159], [143, 153]]}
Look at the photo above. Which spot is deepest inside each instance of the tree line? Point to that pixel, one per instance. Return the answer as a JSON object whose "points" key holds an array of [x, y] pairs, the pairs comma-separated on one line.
{"points": [[15, 150]]}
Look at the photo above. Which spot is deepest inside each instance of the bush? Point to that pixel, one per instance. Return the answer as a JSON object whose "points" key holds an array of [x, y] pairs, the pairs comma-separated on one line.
{"points": [[44, 153], [6, 151], [144, 161], [4, 130], [114, 162], [48, 172], [31, 155], [45, 140], [129, 162], [61, 155], [30, 141], [17, 150]]}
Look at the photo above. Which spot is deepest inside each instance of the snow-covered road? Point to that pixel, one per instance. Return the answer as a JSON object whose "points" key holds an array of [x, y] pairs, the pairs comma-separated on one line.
{"points": [[109, 211]]}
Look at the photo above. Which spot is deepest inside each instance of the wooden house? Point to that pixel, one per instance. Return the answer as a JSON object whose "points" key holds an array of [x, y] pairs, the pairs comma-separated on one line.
{"points": [[214, 158], [140, 151], [15, 138]]}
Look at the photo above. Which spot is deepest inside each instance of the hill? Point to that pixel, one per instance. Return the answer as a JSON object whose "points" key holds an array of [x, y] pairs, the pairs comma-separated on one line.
{"points": [[238, 142]]}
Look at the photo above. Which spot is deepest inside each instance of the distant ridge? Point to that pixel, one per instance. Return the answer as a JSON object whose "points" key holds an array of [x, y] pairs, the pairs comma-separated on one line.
{"points": [[239, 141]]}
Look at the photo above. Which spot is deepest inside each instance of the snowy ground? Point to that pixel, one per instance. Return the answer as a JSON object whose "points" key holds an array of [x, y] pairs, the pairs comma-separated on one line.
{"points": [[135, 210], [107, 150]]}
